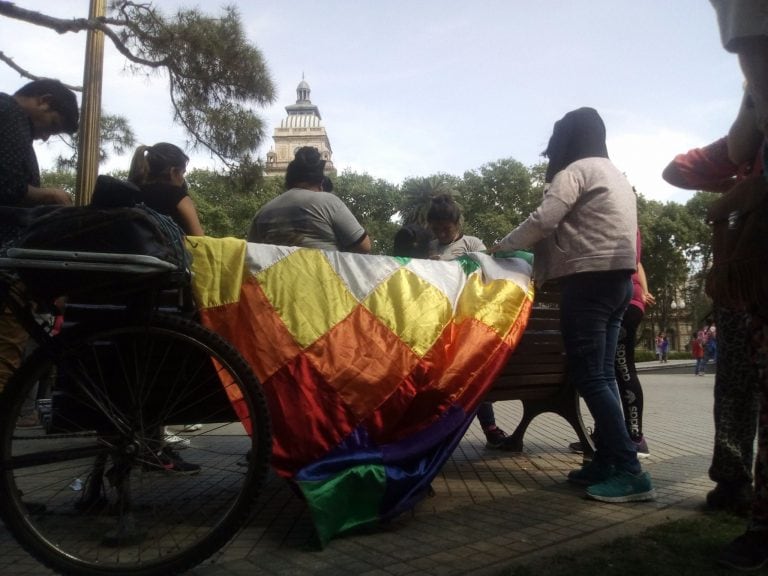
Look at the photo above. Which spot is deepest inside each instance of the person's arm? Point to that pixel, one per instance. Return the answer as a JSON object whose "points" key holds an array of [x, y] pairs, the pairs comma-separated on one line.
{"points": [[35, 196], [16, 165], [648, 298], [189, 218], [744, 136], [557, 202], [362, 246], [708, 168], [350, 234]]}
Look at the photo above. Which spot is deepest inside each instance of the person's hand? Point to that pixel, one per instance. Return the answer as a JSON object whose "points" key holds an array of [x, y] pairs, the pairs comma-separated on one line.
{"points": [[57, 196], [649, 299], [37, 196]]}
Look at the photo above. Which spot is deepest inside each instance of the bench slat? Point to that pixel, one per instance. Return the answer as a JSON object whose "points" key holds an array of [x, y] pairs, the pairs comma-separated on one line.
{"points": [[536, 372]]}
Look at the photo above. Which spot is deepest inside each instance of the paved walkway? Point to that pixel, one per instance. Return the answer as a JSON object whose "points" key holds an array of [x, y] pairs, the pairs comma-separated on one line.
{"points": [[491, 509]]}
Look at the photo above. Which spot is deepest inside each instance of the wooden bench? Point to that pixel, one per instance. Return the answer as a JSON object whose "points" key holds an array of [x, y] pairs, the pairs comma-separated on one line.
{"points": [[536, 374]]}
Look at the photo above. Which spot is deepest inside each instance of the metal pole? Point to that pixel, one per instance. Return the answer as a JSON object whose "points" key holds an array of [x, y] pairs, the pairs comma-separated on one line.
{"points": [[89, 133]]}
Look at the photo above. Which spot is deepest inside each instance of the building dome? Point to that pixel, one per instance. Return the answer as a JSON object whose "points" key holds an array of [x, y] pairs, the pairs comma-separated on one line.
{"points": [[302, 93]]}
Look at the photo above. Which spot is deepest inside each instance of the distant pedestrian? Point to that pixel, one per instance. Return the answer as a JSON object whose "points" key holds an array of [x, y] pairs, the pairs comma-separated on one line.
{"points": [[697, 351], [664, 347], [657, 343], [711, 349]]}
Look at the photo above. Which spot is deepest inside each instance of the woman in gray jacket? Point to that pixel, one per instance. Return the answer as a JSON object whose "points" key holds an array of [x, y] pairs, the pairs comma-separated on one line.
{"points": [[584, 234]]}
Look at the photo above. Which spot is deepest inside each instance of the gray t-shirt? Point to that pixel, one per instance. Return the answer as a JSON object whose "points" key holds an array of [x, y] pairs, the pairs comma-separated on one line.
{"points": [[456, 248], [306, 218]]}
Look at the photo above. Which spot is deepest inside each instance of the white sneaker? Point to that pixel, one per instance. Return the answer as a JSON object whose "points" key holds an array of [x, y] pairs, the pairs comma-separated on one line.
{"points": [[192, 427], [176, 442]]}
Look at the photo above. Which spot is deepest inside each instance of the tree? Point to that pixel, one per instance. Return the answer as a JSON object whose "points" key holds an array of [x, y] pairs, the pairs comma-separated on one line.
{"points": [[60, 178], [374, 202], [418, 194], [224, 203], [214, 73], [116, 137], [498, 196], [670, 235]]}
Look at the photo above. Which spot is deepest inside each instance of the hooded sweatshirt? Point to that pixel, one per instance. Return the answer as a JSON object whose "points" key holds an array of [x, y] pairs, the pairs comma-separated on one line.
{"points": [[587, 221]]}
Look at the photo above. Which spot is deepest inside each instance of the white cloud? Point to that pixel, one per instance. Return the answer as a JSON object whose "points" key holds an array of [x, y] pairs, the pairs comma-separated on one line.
{"points": [[642, 156]]}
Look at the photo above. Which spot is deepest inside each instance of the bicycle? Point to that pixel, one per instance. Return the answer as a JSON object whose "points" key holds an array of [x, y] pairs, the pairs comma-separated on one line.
{"points": [[90, 492]]}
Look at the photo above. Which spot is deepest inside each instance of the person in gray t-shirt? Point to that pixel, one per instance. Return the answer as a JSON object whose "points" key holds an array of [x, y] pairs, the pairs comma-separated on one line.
{"points": [[306, 216], [445, 219]]}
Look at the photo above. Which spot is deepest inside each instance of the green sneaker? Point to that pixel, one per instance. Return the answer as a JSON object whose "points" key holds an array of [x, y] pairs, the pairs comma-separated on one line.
{"points": [[623, 487], [592, 472]]}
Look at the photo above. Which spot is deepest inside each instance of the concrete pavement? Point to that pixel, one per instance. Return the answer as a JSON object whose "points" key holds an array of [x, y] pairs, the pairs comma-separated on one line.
{"points": [[491, 509]]}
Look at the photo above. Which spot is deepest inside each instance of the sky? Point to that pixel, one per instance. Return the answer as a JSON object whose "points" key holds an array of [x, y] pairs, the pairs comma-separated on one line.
{"points": [[411, 88]]}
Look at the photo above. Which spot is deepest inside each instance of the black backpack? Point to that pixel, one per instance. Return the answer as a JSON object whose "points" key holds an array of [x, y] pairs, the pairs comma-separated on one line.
{"points": [[94, 241]]}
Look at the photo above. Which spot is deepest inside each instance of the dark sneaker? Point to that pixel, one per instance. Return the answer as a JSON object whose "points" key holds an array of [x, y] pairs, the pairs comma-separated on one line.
{"points": [[494, 437], [642, 447], [170, 461], [735, 498], [747, 552], [623, 487], [578, 447], [592, 472]]}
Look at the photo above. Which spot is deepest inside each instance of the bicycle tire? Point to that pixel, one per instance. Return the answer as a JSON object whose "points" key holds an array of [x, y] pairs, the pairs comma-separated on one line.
{"points": [[134, 514]]}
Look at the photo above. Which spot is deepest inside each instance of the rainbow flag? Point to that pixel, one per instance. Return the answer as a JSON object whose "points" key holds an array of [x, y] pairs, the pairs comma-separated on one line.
{"points": [[373, 366]]}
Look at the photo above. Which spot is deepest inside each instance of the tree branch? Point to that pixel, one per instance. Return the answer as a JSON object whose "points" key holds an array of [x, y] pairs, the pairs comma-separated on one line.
{"points": [[63, 25], [25, 74], [194, 133]]}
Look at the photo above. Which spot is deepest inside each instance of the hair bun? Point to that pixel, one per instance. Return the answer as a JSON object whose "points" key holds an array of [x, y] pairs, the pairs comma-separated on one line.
{"points": [[309, 156]]}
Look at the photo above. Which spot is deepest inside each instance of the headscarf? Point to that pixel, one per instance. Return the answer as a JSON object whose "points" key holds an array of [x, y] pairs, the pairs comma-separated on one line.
{"points": [[579, 134]]}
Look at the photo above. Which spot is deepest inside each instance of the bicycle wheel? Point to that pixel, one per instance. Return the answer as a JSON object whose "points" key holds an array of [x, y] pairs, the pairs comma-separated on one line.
{"points": [[98, 490]]}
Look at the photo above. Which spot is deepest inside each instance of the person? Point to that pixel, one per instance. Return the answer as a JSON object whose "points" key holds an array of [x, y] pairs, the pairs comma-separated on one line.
{"points": [[412, 241], [744, 30], [735, 406], [36, 111], [630, 389], [664, 347], [657, 344], [158, 171], [711, 349], [445, 220], [304, 215], [584, 236], [697, 352]]}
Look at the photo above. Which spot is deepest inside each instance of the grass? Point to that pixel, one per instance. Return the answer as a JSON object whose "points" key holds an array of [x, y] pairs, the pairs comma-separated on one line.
{"points": [[642, 355], [687, 547]]}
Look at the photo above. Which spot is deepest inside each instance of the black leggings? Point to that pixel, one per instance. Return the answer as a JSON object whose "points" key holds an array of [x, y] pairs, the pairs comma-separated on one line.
{"points": [[626, 373]]}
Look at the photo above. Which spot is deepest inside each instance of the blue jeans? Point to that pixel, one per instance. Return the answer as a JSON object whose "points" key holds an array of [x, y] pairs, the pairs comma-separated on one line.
{"points": [[485, 415], [591, 308]]}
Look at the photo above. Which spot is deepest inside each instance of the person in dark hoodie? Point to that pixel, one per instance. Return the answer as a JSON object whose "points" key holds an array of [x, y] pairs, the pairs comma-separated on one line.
{"points": [[584, 235]]}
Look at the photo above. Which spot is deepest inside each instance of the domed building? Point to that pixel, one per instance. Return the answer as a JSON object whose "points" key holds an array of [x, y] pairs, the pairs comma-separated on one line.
{"points": [[302, 127]]}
